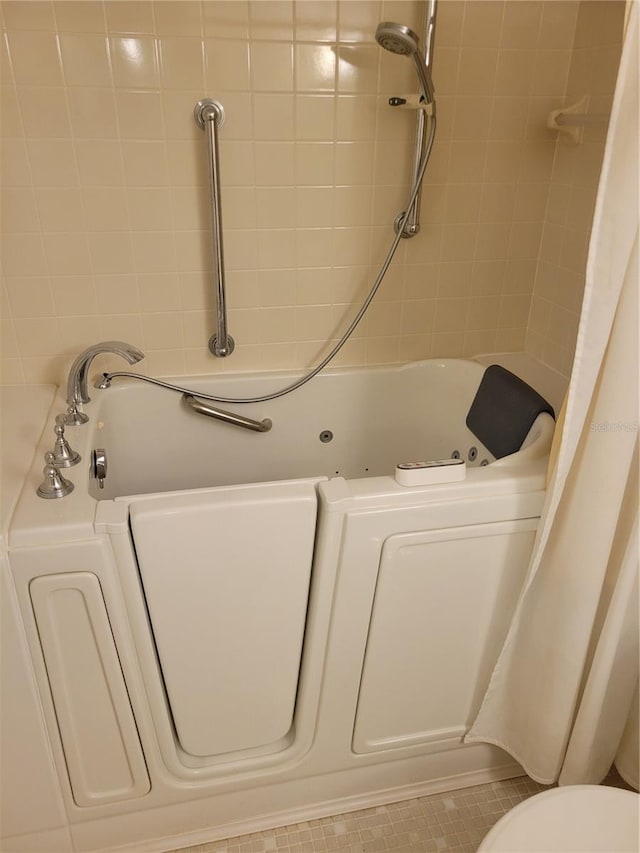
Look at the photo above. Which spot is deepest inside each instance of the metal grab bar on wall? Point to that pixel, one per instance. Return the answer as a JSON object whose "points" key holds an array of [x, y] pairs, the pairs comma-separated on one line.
{"points": [[209, 115]]}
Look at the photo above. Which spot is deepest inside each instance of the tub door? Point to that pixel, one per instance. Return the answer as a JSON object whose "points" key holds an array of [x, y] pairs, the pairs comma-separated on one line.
{"points": [[226, 576], [442, 607]]}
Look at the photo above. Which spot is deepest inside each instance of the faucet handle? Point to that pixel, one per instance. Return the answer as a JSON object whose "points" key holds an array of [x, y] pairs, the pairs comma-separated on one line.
{"points": [[63, 455], [54, 484]]}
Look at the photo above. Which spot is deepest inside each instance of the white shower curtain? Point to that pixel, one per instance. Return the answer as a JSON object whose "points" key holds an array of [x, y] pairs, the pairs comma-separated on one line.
{"points": [[566, 680]]}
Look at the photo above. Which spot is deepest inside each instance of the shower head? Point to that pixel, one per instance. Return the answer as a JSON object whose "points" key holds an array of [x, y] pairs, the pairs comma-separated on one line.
{"points": [[399, 39]]}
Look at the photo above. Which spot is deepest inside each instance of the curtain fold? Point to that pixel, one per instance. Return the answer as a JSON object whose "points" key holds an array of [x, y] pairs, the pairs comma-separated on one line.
{"points": [[563, 687]]}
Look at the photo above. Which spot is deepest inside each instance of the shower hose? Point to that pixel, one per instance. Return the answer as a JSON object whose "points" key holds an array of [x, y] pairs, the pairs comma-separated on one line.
{"points": [[345, 337]]}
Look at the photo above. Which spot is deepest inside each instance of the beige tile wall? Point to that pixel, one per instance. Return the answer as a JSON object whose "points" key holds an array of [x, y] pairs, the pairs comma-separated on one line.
{"points": [[559, 283], [104, 205]]}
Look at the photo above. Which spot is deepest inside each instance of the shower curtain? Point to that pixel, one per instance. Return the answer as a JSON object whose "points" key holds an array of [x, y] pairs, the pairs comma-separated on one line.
{"points": [[563, 695]]}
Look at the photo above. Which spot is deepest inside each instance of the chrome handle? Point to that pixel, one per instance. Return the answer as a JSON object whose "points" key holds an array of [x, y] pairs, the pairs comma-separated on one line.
{"points": [[99, 465], [54, 484], [209, 114], [228, 417], [63, 455]]}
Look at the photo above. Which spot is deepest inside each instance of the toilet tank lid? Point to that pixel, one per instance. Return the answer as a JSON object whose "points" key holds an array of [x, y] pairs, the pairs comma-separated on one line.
{"points": [[574, 819]]}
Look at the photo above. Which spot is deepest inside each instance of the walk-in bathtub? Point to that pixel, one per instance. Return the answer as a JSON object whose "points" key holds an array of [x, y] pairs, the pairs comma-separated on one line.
{"points": [[243, 628]]}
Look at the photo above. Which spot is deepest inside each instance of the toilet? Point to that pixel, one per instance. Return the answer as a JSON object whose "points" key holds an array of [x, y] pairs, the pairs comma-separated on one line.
{"points": [[575, 819]]}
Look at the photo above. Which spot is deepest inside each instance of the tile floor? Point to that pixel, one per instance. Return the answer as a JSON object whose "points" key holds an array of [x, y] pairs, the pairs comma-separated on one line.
{"points": [[454, 822]]}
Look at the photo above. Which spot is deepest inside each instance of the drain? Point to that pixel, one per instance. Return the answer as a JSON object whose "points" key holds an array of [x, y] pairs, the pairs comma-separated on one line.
{"points": [[325, 436]]}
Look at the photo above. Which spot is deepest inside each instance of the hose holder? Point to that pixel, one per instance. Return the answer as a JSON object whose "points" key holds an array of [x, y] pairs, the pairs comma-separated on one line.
{"points": [[412, 102]]}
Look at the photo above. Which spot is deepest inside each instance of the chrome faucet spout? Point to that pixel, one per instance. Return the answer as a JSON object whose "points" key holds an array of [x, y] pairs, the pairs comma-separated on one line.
{"points": [[78, 381]]}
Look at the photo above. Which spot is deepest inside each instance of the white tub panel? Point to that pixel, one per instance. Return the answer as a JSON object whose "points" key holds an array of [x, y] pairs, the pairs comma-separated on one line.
{"points": [[98, 732], [30, 798], [442, 606], [226, 578]]}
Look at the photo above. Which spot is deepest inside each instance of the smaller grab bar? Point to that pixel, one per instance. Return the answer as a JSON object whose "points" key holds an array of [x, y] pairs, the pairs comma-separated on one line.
{"points": [[228, 417], [189, 398]]}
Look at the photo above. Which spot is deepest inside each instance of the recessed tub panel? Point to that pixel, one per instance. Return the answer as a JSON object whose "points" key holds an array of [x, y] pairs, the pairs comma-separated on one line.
{"points": [[98, 732], [226, 576], [442, 607]]}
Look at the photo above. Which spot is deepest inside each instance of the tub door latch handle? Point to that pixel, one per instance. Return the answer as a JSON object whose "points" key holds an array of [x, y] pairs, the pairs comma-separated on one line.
{"points": [[99, 465]]}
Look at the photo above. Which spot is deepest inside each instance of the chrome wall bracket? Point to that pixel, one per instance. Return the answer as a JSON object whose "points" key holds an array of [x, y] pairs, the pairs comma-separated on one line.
{"points": [[209, 116], [208, 110]]}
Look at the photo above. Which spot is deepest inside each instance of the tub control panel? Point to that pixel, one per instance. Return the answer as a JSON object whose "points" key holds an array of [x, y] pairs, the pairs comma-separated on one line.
{"points": [[431, 472]]}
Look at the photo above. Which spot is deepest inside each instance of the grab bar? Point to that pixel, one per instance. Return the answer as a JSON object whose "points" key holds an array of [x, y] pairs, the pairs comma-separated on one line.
{"points": [[209, 114], [228, 417], [189, 398]]}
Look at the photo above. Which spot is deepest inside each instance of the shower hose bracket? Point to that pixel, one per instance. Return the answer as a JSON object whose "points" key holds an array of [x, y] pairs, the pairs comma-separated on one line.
{"points": [[410, 229]]}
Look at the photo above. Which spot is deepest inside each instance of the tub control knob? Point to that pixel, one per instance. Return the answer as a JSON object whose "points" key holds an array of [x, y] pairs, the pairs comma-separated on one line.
{"points": [[64, 456], [54, 484]]}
